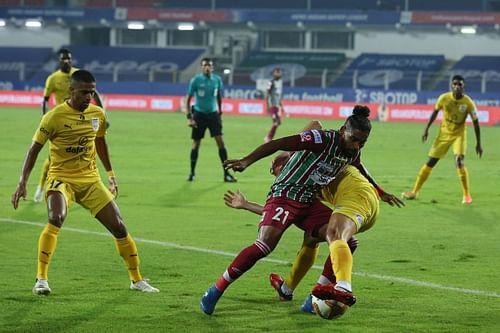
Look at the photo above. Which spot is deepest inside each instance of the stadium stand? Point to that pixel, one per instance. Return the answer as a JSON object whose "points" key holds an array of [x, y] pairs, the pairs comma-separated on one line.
{"points": [[386, 5], [391, 71], [481, 73], [134, 3], [299, 68], [121, 63], [34, 3], [22, 63], [9, 3], [99, 3]]}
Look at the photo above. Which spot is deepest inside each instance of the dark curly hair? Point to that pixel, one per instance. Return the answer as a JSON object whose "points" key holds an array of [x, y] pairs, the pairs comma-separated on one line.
{"points": [[359, 119]]}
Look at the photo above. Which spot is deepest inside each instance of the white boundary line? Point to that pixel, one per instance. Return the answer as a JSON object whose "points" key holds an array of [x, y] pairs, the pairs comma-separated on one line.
{"points": [[277, 261]]}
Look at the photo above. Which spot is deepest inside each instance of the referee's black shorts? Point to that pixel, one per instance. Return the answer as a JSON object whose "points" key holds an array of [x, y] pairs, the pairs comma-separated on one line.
{"points": [[204, 120]]}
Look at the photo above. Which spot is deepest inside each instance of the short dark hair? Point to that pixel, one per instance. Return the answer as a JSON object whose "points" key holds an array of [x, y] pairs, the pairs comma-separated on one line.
{"points": [[82, 76], [63, 51], [207, 60], [457, 77], [359, 119]]}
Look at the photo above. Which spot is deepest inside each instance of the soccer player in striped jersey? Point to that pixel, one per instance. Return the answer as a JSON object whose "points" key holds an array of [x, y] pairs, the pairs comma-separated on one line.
{"points": [[320, 156], [456, 107], [274, 94], [338, 194]]}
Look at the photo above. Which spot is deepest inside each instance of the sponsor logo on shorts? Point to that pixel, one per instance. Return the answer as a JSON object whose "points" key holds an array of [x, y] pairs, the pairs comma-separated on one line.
{"points": [[44, 131], [359, 218]]}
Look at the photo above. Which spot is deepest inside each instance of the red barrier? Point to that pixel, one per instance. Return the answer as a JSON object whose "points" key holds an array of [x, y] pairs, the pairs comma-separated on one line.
{"points": [[302, 109]]}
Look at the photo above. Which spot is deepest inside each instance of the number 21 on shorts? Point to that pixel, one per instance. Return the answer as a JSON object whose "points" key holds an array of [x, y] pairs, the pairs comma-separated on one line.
{"points": [[280, 215]]}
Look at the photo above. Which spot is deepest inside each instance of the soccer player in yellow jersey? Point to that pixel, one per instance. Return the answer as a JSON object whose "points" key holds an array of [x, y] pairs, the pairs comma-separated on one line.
{"points": [[456, 107], [76, 130], [355, 208], [58, 84]]}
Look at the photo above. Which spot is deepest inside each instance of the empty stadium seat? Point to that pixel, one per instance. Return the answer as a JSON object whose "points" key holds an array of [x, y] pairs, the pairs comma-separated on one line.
{"points": [[99, 3], [481, 74], [300, 69], [390, 71]]}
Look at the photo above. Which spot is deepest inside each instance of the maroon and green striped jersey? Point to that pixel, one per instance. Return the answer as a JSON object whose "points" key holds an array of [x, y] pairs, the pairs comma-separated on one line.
{"points": [[317, 164]]}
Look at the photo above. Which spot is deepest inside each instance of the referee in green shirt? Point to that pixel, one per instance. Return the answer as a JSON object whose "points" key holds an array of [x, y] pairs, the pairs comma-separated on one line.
{"points": [[206, 113]]}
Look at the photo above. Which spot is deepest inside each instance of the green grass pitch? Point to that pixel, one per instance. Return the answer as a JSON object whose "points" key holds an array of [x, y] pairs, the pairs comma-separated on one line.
{"points": [[432, 266]]}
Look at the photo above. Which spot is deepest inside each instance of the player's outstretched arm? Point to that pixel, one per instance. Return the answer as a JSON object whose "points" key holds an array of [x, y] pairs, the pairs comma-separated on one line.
{"points": [[288, 143], [28, 164], [238, 200]]}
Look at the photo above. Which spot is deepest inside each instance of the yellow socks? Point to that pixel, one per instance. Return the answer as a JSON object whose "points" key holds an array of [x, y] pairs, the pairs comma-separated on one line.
{"points": [[303, 262], [43, 174], [463, 175], [46, 246], [341, 257], [128, 251], [422, 176]]}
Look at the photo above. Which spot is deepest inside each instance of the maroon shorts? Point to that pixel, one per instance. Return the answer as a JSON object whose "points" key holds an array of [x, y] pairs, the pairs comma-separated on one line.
{"points": [[283, 212], [274, 110]]}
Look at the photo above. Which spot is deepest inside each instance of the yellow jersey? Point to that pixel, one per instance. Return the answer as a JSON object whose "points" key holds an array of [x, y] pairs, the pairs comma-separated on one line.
{"points": [[349, 175], [352, 195], [72, 136], [455, 112], [58, 83]]}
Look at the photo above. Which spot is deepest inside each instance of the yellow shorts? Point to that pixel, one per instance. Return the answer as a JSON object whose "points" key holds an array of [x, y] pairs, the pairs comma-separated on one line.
{"points": [[358, 200], [93, 196], [443, 142]]}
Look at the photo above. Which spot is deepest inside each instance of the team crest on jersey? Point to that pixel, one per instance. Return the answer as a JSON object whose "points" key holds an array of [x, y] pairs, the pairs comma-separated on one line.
{"points": [[95, 124], [310, 136], [462, 108]]}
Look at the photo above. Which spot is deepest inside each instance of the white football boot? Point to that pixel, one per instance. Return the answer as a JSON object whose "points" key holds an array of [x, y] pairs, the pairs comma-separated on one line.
{"points": [[143, 286], [41, 287]]}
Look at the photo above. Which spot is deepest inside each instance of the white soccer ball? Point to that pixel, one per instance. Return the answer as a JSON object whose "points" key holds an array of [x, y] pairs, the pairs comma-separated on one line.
{"points": [[328, 309]]}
